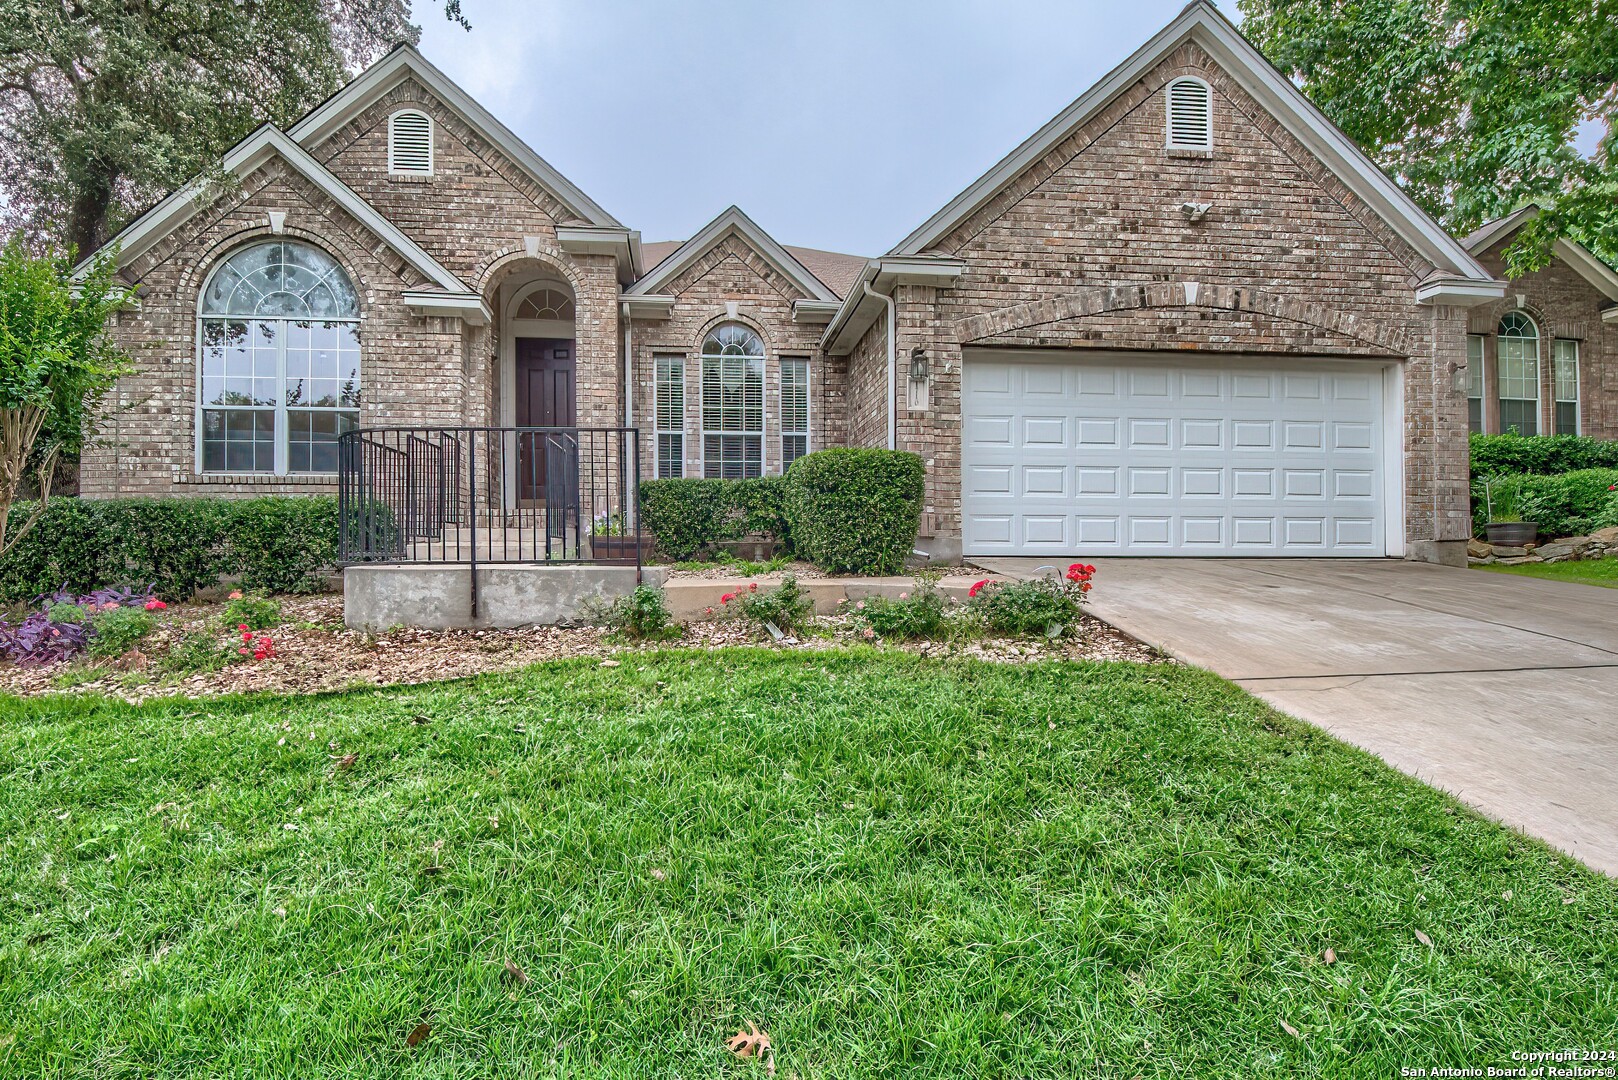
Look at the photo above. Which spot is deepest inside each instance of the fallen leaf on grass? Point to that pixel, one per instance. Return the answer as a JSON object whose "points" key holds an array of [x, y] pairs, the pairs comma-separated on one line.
{"points": [[1330, 956], [418, 1034], [609, 663], [516, 973], [347, 761], [1424, 939], [753, 1043], [1506, 895], [1290, 1030], [659, 874]]}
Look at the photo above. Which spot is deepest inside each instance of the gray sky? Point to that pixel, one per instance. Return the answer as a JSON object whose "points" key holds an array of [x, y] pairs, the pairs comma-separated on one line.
{"points": [[837, 124]]}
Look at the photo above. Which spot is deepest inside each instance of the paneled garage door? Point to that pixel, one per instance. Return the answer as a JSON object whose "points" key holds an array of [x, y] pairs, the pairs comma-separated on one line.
{"points": [[1088, 457]]}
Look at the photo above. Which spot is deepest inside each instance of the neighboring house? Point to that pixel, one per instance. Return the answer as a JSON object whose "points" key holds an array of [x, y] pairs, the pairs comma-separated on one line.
{"points": [[1187, 316], [1543, 360]]}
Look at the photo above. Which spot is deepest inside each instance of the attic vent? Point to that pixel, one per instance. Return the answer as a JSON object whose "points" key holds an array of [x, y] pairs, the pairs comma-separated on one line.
{"points": [[1190, 115], [410, 143]]}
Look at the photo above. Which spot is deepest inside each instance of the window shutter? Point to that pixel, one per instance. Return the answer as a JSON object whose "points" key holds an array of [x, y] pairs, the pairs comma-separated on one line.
{"points": [[410, 143], [1190, 108]]}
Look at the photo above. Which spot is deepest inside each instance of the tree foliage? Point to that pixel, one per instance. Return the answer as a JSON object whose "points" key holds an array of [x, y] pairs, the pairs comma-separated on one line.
{"points": [[56, 364], [1473, 106], [106, 105]]}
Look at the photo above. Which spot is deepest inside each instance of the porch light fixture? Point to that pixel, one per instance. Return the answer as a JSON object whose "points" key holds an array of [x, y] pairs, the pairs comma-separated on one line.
{"points": [[918, 364]]}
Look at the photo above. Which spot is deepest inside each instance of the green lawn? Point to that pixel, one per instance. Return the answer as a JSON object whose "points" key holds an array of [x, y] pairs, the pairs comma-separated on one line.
{"points": [[895, 866], [1602, 572]]}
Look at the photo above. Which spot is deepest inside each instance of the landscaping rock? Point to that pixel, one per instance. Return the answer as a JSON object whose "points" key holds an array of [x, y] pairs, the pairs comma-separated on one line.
{"points": [[1607, 537], [1502, 551], [1562, 550], [1519, 560], [1477, 549]]}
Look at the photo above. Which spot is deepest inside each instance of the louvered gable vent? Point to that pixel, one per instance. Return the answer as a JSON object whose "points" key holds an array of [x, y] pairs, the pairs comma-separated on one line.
{"points": [[410, 143], [1190, 108]]}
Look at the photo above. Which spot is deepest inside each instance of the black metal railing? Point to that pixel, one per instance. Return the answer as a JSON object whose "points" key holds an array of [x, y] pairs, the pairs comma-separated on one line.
{"points": [[489, 495]]}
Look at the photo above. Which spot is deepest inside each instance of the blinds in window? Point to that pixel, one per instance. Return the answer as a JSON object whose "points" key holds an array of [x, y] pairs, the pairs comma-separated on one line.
{"points": [[1190, 114], [410, 143], [794, 409], [670, 416]]}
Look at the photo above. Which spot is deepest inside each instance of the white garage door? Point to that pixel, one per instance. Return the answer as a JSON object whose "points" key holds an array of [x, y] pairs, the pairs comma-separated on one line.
{"points": [[1088, 457]]}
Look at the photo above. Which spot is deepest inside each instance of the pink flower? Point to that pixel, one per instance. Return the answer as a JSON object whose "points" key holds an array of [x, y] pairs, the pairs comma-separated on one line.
{"points": [[752, 586], [869, 633], [242, 650], [236, 594], [904, 596], [710, 611], [247, 635], [860, 605], [109, 605], [241, 626]]}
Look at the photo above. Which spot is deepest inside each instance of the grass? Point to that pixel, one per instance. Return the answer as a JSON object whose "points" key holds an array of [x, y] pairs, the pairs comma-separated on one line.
{"points": [[893, 865], [1603, 572], [739, 567]]}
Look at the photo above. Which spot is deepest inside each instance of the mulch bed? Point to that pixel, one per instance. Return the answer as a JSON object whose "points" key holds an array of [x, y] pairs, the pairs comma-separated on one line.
{"points": [[802, 570], [316, 653]]}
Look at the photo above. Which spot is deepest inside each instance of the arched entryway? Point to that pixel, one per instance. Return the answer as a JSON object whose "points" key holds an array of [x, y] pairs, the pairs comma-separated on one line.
{"points": [[539, 372]]}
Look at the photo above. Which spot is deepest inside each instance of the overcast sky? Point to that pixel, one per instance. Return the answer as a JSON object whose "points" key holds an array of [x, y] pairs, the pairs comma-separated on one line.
{"points": [[836, 124]]}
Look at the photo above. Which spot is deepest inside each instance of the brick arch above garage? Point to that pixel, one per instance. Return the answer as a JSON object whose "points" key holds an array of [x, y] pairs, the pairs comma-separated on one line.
{"points": [[1065, 317]]}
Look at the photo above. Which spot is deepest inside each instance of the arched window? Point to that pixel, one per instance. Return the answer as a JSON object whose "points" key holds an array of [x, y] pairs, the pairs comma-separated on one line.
{"points": [[1189, 104], [732, 402], [546, 303], [410, 143], [1517, 372], [279, 363]]}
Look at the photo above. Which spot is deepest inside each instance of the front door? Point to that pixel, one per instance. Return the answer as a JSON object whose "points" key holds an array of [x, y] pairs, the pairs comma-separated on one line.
{"points": [[545, 378]]}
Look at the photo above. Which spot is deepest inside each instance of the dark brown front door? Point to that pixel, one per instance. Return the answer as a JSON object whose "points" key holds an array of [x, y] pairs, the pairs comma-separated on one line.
{"points": [[544, 399]]}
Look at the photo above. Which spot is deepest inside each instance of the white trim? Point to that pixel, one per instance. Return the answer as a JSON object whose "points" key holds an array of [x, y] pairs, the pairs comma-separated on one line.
{"points": [[858, 311], [649, 307], [432, 138], [1459, 292], [658, 431], [1168, 113], [1201, 22], [732, 222], [466, 306], [509, 327], [808, 403], [1578, 387], [763, 432], [1603, 277], [406, 61], [1393, 460], [614, 240], [815, 311]]}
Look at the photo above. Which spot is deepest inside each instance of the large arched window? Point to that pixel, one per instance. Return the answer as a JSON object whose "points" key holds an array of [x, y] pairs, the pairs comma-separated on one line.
{"points": [[279, 363], [732, 402], [1517, 372]]}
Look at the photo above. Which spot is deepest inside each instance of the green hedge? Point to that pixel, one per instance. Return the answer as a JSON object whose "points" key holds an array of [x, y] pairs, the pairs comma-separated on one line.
{"points": [[1571, 504], [687, 517], [277, 544], [855, 511], [1542, 455]]}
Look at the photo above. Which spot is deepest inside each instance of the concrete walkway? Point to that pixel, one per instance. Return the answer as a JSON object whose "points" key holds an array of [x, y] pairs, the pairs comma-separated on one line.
{"points": [[1500, 689]]}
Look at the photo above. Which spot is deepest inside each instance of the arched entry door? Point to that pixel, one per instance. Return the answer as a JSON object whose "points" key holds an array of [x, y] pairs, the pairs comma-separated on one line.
{"points": [[544, 384]]}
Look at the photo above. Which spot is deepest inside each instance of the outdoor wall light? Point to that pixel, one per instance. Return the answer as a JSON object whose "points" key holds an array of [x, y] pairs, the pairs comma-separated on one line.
{"points": [[918, 364]]}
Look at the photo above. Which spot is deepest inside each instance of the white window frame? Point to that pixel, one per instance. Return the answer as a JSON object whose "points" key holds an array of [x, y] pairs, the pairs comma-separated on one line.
{"points": [[1476, 390], [283, 426], [808, 407], [758, 362], [1168, 113], [1556, 395], [659, 429], [1501, 358], [432, 140]]}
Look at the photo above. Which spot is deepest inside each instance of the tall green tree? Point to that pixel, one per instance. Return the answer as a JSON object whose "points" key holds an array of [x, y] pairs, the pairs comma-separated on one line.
{"points": [[1473, 106], [106, 105]]}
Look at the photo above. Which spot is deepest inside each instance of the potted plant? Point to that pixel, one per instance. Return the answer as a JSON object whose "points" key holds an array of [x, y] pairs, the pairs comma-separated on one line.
{"points": [[611, 541], [1502, 499]]}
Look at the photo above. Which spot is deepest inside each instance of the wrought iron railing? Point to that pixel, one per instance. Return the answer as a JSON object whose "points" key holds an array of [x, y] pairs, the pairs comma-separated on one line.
{"points": [[489, 495]]}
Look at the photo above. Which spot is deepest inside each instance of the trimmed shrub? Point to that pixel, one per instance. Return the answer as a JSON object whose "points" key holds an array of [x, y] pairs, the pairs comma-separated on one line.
{"points": [[1540, 455], [855, 510], [690, 515], [1572, 504], [178, 546]]}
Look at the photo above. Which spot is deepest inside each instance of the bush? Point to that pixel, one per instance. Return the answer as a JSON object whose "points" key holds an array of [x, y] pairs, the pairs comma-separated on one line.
{"points": [[116, 631], [855, 510], [253, 612], [1571, 504], [1047, 606], [691, 515], [786, 605], [639, 615], [1540, 455], [278, 544], [195, 653], [919, 616]]}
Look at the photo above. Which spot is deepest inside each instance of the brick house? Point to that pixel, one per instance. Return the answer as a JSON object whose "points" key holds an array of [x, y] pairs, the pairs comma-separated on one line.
{"points": [[1543, 359], [1187, 316]]}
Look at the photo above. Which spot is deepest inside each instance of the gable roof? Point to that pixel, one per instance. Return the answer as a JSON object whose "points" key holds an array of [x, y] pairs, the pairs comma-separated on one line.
{"points": [[405, 62], [1583, 261], [140, 235], [731, 222], [1202, 23], [836, 270]]}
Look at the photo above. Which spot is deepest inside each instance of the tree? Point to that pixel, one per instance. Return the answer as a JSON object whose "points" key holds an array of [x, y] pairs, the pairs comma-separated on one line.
{"points": [[106, 105], [1472, 106], [57, 363]]}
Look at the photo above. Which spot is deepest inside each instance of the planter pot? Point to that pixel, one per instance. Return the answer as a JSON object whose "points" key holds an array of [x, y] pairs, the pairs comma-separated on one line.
{"points": [[618, 548], [1511, 533], [751, 548]]}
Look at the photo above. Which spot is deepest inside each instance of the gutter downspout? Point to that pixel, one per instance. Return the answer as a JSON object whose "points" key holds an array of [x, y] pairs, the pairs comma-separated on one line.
{"points": [[893, 364]]}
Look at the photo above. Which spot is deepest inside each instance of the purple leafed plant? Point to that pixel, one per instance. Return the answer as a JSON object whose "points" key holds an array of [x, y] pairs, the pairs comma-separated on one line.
{"points": [[37, 639]]}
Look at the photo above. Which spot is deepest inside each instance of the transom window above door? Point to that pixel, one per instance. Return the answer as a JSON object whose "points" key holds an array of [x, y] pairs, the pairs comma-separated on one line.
{"points": [[545, 303], [279, 361], [732, 402]]}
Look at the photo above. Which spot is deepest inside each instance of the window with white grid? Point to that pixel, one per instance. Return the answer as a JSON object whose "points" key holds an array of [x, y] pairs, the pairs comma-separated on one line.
{"points": [[1516, 359], [1474, 382], [794, 409], [732, 403], [670, 415], [1565, 374]]}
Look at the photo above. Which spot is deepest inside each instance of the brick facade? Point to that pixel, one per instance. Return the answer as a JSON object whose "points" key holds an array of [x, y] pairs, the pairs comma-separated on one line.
{"points": [[1564, 305]]}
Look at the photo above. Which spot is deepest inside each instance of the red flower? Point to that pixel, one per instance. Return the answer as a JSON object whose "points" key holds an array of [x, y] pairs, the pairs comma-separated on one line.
{"points": [[247, 635], [155, 604], [727, 598], [752, 586], [977, 587], [241, 626]]}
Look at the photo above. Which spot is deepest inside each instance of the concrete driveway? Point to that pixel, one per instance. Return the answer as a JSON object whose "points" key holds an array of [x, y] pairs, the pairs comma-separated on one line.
{"points": [[1502, 690]]}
